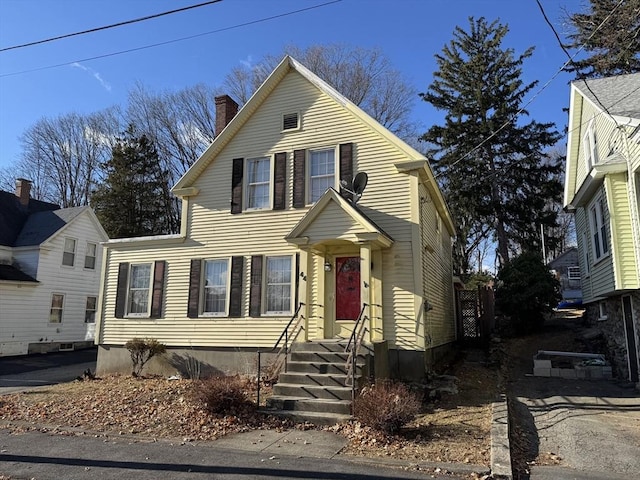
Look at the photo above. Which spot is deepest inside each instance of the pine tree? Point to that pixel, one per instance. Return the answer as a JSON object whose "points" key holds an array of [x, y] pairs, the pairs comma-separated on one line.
{"points": [[134, 199], [491, 165], [609, 32]]}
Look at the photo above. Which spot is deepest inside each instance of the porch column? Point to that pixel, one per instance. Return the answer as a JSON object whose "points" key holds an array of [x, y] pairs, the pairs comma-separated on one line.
{"points": [[303, 290], [366, 287]]}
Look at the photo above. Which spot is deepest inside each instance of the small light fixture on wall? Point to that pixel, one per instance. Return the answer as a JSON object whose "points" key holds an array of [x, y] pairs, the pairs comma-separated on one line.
{"points": [[327, 266]]}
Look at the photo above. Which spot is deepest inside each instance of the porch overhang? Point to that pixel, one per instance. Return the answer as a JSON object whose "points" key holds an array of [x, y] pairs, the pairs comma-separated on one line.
{"points": [[335, 219]]}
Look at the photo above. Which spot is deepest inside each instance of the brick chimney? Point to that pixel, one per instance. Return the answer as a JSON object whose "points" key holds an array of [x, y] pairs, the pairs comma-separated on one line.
{"points": [[23, 191], [226, 109]]}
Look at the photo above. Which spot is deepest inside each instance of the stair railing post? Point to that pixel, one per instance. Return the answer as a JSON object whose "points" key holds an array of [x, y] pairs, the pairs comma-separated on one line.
{"points": [[286, 349], [258, 387]]}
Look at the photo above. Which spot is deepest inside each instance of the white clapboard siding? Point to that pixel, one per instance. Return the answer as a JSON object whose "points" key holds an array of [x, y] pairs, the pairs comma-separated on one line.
{"points": [[24, 309]]}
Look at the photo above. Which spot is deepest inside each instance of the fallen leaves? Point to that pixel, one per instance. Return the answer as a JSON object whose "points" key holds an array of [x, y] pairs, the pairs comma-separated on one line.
{"points": [[456, 428]]}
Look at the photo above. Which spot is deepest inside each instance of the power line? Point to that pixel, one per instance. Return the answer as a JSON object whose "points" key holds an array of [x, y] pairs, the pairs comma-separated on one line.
{"points": [[121, 52], [522, 109], [106, 27]]}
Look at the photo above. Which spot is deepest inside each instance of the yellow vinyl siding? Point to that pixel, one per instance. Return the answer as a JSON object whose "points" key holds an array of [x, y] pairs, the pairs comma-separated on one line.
{"points": [[622, 247], [213, 232], [436, 271]]}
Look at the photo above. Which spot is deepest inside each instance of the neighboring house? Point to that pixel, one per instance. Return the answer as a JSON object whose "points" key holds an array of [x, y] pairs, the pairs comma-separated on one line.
{"points": [[566, 268], [267, 236], [50, 260], [601, 188]]}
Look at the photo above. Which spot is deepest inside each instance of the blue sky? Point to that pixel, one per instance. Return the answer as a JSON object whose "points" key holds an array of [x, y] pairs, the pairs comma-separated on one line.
{"points": [[409, 32]]}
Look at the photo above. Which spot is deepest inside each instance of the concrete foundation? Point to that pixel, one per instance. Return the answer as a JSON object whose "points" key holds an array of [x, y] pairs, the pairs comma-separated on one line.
{"points": [[187, 362]]}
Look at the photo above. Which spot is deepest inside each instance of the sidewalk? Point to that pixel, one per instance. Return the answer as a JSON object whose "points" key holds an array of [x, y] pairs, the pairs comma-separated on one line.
{"points": [[260, 454]]}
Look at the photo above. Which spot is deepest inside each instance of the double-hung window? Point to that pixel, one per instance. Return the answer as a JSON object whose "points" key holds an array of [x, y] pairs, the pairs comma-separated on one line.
{"points": [[90, 256], [139, 289], [599, 235], [57, 306], [278, 285], [215, 287], [258, 183], [69, 254], [322, 172], [573, 273], [90, 310]]}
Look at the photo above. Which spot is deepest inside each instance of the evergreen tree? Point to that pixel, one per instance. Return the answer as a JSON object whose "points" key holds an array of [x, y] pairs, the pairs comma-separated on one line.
{"points": [[134, 200], [610, 34], [491, 165]]}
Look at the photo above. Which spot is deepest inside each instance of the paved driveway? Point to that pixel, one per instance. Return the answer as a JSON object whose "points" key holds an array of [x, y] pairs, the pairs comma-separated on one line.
{"points": [[25, 372], [592, 427]]}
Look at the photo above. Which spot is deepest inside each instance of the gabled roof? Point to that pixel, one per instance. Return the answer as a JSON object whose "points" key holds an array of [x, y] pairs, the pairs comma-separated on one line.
{"points": [[40, 226], [618, 99], [184, 184], [13, 215], [348, 215], [619, 95]]}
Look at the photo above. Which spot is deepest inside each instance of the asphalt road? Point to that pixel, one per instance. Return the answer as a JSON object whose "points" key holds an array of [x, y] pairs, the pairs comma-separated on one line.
{"points": [[46, 456], [23, 372]]}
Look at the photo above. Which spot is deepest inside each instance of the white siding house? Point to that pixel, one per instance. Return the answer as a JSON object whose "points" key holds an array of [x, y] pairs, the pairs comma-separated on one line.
{"points": [[50, 265]]}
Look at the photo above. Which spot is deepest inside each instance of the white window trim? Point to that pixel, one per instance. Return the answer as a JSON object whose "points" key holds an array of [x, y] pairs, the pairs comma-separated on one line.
{"points": [[307, 180], [602, 311], [95, 255], [590, 146], [74, 252], [61, 309], [585, 250], [227, 289], [597, 207], [277, 313], [296, 129], [571, 273], [246, 184], [95, 309], [146, 314]]}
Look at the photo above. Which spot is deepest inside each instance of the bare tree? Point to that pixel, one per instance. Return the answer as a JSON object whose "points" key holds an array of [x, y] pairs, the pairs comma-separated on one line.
{"points": [[62, 155], [364, 76]]}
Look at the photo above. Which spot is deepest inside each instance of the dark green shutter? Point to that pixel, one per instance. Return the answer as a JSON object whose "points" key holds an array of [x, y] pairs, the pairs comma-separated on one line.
{"points": [[121, 290], [280, 181], [236, 185], [299, 178], [346, 164], [255, 289], [158, 288], [235, 294], [195, 274]]}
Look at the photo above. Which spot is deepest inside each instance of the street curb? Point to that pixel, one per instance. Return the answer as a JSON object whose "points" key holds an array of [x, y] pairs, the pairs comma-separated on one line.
{"points": [[500, 449]]}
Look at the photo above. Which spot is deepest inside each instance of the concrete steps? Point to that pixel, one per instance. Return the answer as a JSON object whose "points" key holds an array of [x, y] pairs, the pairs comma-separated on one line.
{"points": [[314, 387]]}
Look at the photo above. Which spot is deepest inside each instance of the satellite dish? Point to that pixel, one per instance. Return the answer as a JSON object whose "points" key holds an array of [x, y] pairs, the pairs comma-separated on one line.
{"points": [[359, 183], [353, 190]]}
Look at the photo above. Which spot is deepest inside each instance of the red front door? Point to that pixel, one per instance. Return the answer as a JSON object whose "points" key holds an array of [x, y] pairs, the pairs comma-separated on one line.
{"points": [[347, 288]]}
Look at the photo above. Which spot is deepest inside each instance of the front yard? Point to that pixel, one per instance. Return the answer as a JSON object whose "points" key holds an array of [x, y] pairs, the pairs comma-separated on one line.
{"points": [[454, 428]]}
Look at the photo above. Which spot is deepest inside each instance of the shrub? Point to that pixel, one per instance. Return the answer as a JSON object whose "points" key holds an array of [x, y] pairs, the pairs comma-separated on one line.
{"points": [[526, 292], [143, 350], [225, 394], [386, 406]]}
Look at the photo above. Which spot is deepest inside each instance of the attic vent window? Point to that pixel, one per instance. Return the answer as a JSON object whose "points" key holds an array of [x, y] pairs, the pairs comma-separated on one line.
{"points": [[290, 121]]}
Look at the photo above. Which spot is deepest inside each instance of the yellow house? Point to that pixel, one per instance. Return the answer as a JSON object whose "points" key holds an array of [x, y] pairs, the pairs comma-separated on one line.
{"points": [[277, 225], [602, 188]]}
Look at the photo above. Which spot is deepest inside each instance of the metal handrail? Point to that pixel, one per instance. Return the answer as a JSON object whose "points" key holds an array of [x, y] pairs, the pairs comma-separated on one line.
{"points": [[353, 349], [284, 349]]}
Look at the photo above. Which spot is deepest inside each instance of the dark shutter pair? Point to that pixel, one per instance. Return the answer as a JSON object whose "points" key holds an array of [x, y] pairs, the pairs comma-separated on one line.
{"points": [[157, 292], [235, 293], [300, 167], [279, 182]]}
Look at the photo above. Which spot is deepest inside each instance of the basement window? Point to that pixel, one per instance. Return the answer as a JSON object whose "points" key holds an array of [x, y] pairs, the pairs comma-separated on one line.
{"points": [[290, 121]]}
